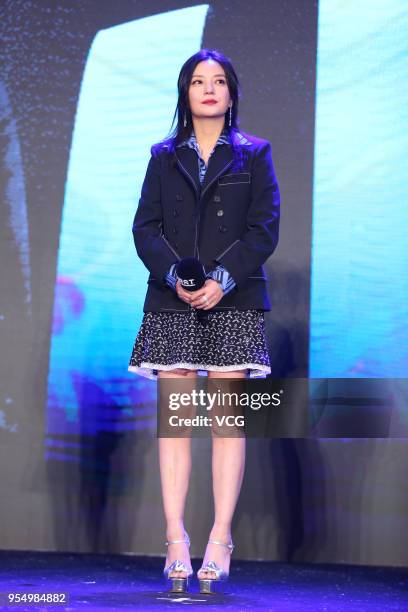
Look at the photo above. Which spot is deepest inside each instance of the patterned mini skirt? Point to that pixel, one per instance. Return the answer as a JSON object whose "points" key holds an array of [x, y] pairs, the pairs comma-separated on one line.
{"points": [[230, 340]]}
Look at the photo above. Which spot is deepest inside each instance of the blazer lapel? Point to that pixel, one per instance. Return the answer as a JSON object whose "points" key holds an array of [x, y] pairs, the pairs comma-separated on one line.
{"points": [[187, 162], [220, 160]]}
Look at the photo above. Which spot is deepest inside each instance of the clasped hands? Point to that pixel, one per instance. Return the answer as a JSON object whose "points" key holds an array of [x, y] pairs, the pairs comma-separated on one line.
{"points": [[205, 298]]}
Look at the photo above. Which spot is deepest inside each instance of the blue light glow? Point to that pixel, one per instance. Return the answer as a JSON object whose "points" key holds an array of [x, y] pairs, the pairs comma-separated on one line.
{"points": [[360, 216], [126, 103]]}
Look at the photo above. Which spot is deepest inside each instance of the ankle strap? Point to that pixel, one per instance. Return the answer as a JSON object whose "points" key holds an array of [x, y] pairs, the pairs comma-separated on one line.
{"points": [[229, 546], [186, 540]]}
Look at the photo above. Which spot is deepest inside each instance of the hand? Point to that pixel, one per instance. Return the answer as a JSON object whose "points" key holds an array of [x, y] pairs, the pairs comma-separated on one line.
{"points": [[211, 290], [184, 295]]}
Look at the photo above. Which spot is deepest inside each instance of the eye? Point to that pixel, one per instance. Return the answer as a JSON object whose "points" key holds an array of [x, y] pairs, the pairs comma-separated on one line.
{"points": [[221, 81], [196, 81]]}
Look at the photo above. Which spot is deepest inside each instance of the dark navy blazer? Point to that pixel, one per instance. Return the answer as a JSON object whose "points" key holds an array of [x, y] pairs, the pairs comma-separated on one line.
{"points": [[232, 220]]}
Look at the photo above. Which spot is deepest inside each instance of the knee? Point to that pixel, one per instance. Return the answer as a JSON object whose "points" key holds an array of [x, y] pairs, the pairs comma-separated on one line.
{"points": [[183, 372], [177, 372], [231, 374]]}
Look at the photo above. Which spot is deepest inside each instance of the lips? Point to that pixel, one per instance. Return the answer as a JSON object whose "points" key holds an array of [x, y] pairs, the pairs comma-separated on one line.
{"points": [[210, 102]]}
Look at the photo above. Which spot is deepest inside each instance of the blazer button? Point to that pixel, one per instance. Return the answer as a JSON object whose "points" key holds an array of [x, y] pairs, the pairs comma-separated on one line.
{"points": [[217, 198], [220, 212], [175, 213], [222, 229], [179, 197], [175, 230]]}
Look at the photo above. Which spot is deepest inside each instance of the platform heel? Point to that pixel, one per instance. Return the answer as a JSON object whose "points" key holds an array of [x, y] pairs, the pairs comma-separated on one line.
{"points": [[214, 585], [177, 584]]}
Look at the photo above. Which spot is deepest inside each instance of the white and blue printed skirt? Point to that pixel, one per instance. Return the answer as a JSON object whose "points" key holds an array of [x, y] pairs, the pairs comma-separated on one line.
{"points": [[231, 340]]}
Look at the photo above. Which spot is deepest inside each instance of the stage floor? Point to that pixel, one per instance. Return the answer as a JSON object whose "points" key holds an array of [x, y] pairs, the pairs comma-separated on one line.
{"points": [[124, 582]]}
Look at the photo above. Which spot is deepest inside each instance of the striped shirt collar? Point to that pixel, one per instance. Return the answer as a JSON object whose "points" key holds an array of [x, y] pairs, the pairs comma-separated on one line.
{"points": [[192, 141]]}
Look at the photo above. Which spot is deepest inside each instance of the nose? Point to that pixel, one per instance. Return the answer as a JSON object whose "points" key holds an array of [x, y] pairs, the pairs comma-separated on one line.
{"points": [[209, 88]]}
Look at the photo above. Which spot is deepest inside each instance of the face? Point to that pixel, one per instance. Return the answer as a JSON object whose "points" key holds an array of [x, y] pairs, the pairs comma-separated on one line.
{"points": [[209, 83]]}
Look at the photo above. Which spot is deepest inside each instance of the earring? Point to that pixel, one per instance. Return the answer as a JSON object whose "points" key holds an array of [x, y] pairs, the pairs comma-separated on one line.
{"points": [[185, 118], [230, 113]]}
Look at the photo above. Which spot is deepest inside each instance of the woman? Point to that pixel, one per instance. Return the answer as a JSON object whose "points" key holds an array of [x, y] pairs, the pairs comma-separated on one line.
{"points": [[210, 192]]}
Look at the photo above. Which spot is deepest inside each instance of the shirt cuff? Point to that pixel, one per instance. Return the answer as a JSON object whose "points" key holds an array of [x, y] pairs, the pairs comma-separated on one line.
{"points": [[222, 276], [171, 277]]}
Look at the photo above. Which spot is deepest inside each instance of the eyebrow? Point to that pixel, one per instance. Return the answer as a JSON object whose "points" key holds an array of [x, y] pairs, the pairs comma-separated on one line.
{"points": [[201, 75]]}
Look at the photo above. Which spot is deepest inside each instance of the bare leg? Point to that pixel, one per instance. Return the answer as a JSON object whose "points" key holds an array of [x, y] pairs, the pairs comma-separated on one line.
{"points": [[175, 469], [228, 464]]}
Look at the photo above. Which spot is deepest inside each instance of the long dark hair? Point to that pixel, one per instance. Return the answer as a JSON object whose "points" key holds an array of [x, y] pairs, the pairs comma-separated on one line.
{"points": [[179, 133]]}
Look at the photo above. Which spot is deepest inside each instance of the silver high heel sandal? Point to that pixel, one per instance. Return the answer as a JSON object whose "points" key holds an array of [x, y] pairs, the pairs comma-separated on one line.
{"points": [[212, 585], [177, 584]]}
